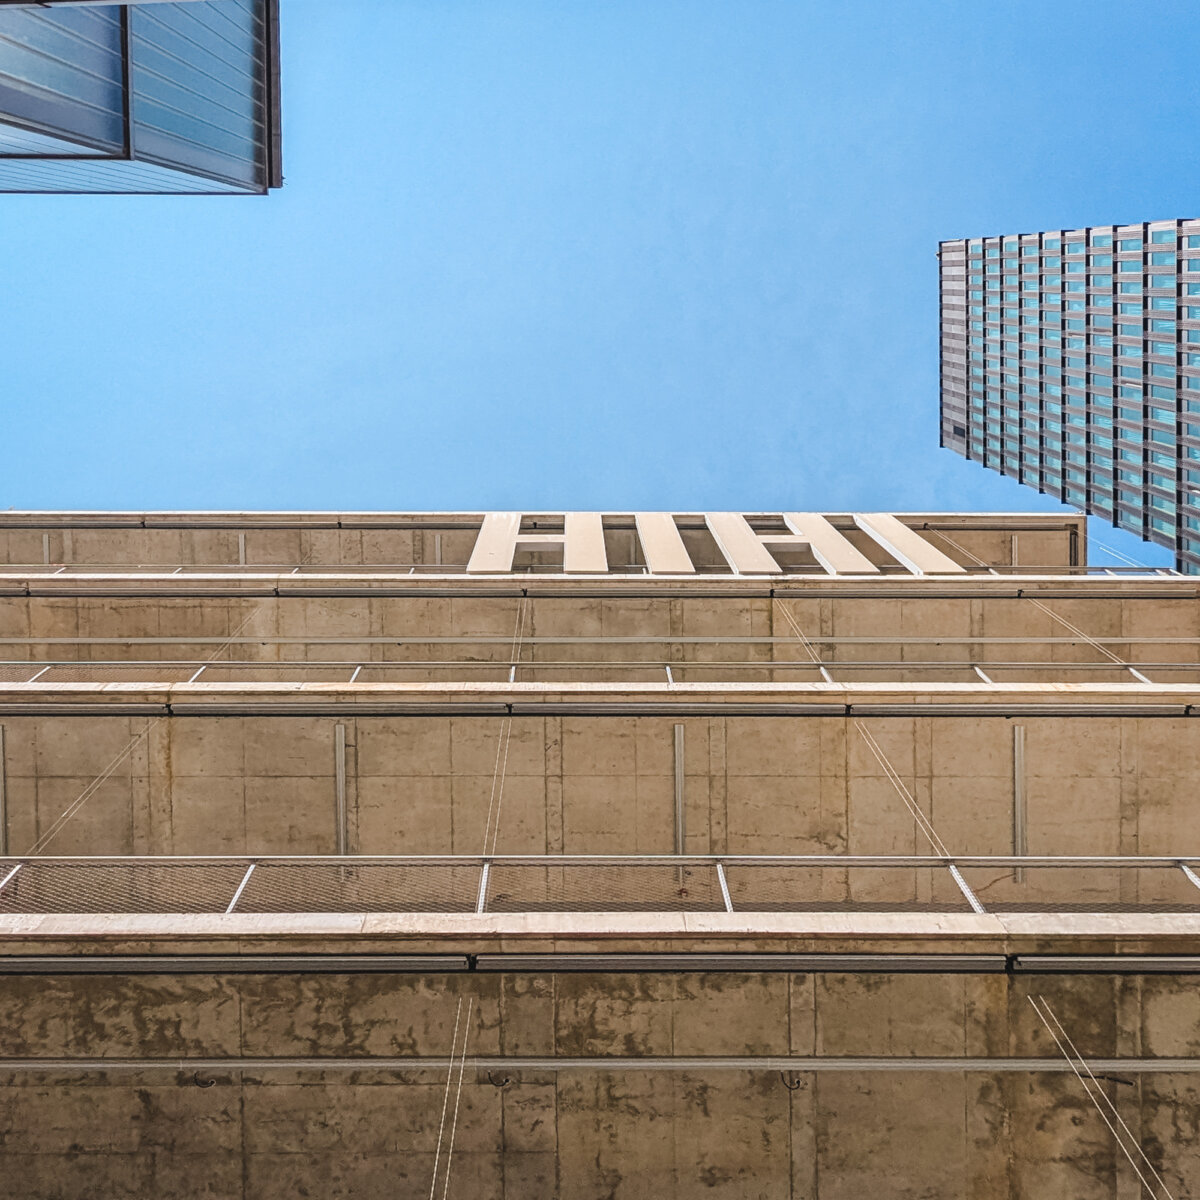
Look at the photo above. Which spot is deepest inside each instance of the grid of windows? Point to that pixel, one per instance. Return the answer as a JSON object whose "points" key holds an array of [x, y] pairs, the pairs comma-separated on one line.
{"points": [[165, 97], [1071, 362]]}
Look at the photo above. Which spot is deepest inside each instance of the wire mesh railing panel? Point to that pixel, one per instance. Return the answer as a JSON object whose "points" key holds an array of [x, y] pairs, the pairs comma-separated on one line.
{"points": [[284, 672], [119, 887], [608, 672], [691, 672], [1059, 672], [361, 887], [316, 885], [786, 888], [616, 887], [1083, 889], [901, 672], [122, 672], [20, 672], [1172, 673], [416, 672]]}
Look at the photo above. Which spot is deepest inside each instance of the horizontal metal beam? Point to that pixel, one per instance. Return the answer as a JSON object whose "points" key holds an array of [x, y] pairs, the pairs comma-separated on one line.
{"points": [[888, 964], [1106, 964], [886, 861], [662, 963], [597, 640], [251, 586], [301, 519], [482, 1064], [308, 704], [233, 964]]}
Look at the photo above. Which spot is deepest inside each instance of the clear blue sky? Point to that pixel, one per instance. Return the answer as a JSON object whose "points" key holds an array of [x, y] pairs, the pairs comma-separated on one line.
{"points": [[634, 254]]}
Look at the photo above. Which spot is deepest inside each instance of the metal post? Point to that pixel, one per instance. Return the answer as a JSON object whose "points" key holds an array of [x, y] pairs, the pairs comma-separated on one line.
{"points": [[481, 901], [3, 797], [680, 827], [339, 774], [1020, 841], [240, 889], [241, 549], [437, 548], [46, 549], [724, 887], [972, 899]]}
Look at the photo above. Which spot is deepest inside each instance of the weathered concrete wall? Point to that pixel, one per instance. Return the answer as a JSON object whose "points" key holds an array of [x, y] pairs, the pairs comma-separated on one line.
{"points": [[600, 785], [626, 1135], [1148, 625]]}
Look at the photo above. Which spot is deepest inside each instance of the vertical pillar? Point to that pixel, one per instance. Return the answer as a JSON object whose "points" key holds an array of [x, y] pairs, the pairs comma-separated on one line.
{"points": [[339, 775], [680, 823], [1020, 840], [3, 797]]}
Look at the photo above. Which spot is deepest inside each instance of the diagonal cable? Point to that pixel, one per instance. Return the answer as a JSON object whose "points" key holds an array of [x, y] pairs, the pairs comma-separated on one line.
{"points": [[1091, 1096], [92, 788], [918, 815], [1104, 1095], [462, 1066], [445, 1100]]}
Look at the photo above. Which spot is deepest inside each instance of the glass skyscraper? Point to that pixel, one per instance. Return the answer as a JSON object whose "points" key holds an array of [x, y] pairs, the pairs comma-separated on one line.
{"points": [[1070, 361], [171, 96]]}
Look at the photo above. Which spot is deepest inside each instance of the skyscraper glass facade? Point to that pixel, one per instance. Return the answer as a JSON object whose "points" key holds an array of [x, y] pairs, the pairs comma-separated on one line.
{"points": [[1070, 361], [176, 96]]}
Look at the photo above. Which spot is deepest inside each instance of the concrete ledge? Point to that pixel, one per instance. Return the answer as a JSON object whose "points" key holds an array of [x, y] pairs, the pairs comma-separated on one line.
{"points": [[602, 699], [450, 932]]}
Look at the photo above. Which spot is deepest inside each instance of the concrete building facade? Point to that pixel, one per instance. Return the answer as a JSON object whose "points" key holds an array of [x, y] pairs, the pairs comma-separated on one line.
{"points": [[1071, 363], [594, 855]]}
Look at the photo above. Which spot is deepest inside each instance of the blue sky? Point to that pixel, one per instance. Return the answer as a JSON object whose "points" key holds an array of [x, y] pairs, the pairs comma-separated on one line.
{"points": [[635, 254]]}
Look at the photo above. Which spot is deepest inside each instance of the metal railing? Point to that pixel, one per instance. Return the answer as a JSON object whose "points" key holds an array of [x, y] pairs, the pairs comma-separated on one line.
{"points": [[630, 568], [985, 672], [592, 883]]}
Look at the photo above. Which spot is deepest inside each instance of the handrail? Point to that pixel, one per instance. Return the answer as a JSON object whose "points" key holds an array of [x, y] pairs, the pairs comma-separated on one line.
{"points": [[629, 860], [636, 569]]}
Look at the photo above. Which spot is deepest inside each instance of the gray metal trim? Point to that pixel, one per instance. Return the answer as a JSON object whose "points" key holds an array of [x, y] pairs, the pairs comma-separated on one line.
{"points": [[680, 814], [657, 963], [1122, 964], [306, 705], [972, 964], [3, 796], [339, 781], [781, 1063], [232, 964]]}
